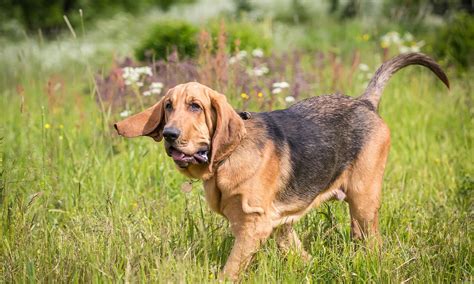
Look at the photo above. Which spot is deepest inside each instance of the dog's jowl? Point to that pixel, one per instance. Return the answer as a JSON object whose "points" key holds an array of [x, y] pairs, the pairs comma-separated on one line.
{"points": [[264, 171]]}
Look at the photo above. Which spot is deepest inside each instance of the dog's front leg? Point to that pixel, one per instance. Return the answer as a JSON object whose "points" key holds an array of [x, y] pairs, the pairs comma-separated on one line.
{"points": [[250, 231]]}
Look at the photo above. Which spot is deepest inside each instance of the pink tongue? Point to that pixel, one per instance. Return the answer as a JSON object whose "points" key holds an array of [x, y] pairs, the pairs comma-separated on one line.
{"points": [[177, 155]]}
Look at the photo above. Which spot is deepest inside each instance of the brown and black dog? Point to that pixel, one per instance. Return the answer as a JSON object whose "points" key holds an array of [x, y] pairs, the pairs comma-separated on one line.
{"points": [[267, 170]]}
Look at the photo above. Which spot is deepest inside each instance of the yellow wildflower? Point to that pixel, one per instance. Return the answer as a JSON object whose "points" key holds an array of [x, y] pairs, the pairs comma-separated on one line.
{"points": [[61, 126], [365, 37], [384, 44], [47, 126], [244, 96], [260, 95]]}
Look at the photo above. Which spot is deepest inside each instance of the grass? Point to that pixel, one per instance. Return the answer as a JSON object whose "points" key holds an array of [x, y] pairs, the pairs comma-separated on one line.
{"points": [[79, 204]]}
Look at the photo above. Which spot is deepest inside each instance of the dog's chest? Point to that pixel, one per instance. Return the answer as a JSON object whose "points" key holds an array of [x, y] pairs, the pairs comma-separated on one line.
{"points": [[213, 195]]}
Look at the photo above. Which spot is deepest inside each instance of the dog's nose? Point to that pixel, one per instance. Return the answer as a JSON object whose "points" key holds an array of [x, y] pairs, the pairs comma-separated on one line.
{"points": [[171, 133]]}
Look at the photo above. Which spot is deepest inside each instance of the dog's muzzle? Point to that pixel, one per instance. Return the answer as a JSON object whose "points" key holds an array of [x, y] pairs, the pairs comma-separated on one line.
{"points": [[183, 160]]}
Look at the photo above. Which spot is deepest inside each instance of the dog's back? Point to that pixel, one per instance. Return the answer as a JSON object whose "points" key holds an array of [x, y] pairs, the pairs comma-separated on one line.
{"points": [[324, 135]]}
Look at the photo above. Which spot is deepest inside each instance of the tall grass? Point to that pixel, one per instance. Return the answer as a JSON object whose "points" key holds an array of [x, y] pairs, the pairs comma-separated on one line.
{"points": [[80, 204]]}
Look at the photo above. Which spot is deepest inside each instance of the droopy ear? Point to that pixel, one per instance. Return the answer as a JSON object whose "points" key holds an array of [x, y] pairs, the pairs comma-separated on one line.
{"points": [[149, 122], [229, 129]]}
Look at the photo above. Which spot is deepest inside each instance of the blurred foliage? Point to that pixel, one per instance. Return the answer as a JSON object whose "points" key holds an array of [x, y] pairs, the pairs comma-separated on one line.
{"points": [[242, 35], [242, 7], [165, 37], [296, 13], [349, 10], [47, 15], [455, 41], [407, 12], [412, 13]]}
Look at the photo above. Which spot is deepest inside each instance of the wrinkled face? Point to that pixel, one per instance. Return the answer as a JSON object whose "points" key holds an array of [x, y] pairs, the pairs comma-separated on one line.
{"points": [[187, 130], [198, 125]]}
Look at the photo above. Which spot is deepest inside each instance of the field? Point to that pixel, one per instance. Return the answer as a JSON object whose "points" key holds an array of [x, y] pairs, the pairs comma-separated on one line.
{"points": [[80, 204]]}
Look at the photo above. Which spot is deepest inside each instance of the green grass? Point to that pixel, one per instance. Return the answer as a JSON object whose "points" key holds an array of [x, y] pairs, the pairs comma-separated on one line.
{"points": [[79, 204]]}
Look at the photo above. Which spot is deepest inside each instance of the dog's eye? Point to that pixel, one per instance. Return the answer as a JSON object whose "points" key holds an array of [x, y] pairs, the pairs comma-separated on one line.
{"points": [[195, 107], [168, 106]]}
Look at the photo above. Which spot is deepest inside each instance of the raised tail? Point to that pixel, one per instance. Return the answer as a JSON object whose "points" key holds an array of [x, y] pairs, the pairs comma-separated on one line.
{"points": [[377, 84]]}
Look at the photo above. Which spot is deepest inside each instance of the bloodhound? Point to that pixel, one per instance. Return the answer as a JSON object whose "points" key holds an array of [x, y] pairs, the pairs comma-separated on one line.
{"points": [[267, 170]]}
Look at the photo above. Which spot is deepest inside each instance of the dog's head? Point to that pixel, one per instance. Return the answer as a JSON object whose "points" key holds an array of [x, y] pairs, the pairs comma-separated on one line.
{"points": [[198, 125]]}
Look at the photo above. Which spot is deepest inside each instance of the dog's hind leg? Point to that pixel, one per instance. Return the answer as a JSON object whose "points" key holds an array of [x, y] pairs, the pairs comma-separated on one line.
{"points": [[365, 184], [287, 239]]}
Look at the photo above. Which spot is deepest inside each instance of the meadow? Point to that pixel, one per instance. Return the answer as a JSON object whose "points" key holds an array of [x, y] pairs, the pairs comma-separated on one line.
{"points": [[80, 204]]}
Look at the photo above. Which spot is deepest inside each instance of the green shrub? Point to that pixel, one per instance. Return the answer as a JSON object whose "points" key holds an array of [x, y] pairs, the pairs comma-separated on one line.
{"points": [[455, 41], [47, 15], [167, 36], [297, 12], [250, 35]]}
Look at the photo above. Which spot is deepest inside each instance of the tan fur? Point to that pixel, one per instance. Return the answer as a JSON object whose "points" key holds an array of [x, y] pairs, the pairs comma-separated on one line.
{"points": [[253, 177], [250, 209], [365, 184], [242, 182]]}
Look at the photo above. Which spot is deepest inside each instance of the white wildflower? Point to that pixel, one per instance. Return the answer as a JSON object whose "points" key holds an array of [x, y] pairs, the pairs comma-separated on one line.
{"points": [[281, 85], [264, 69], [394, 37], [125, 113], [363, 67], [147, 93], [241, 55], [403, 49], [156, 85], [259, 71], [415, 47], [405, 44], [289, 99], [126, 71], [233, 60], [145, 70], [408, 37], [155, 91], [132, 75], [258, 52], [389, 39], [276, 91]]}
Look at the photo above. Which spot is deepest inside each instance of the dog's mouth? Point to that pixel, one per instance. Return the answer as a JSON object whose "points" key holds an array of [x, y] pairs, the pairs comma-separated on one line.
{"points": [[183, 160]]}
